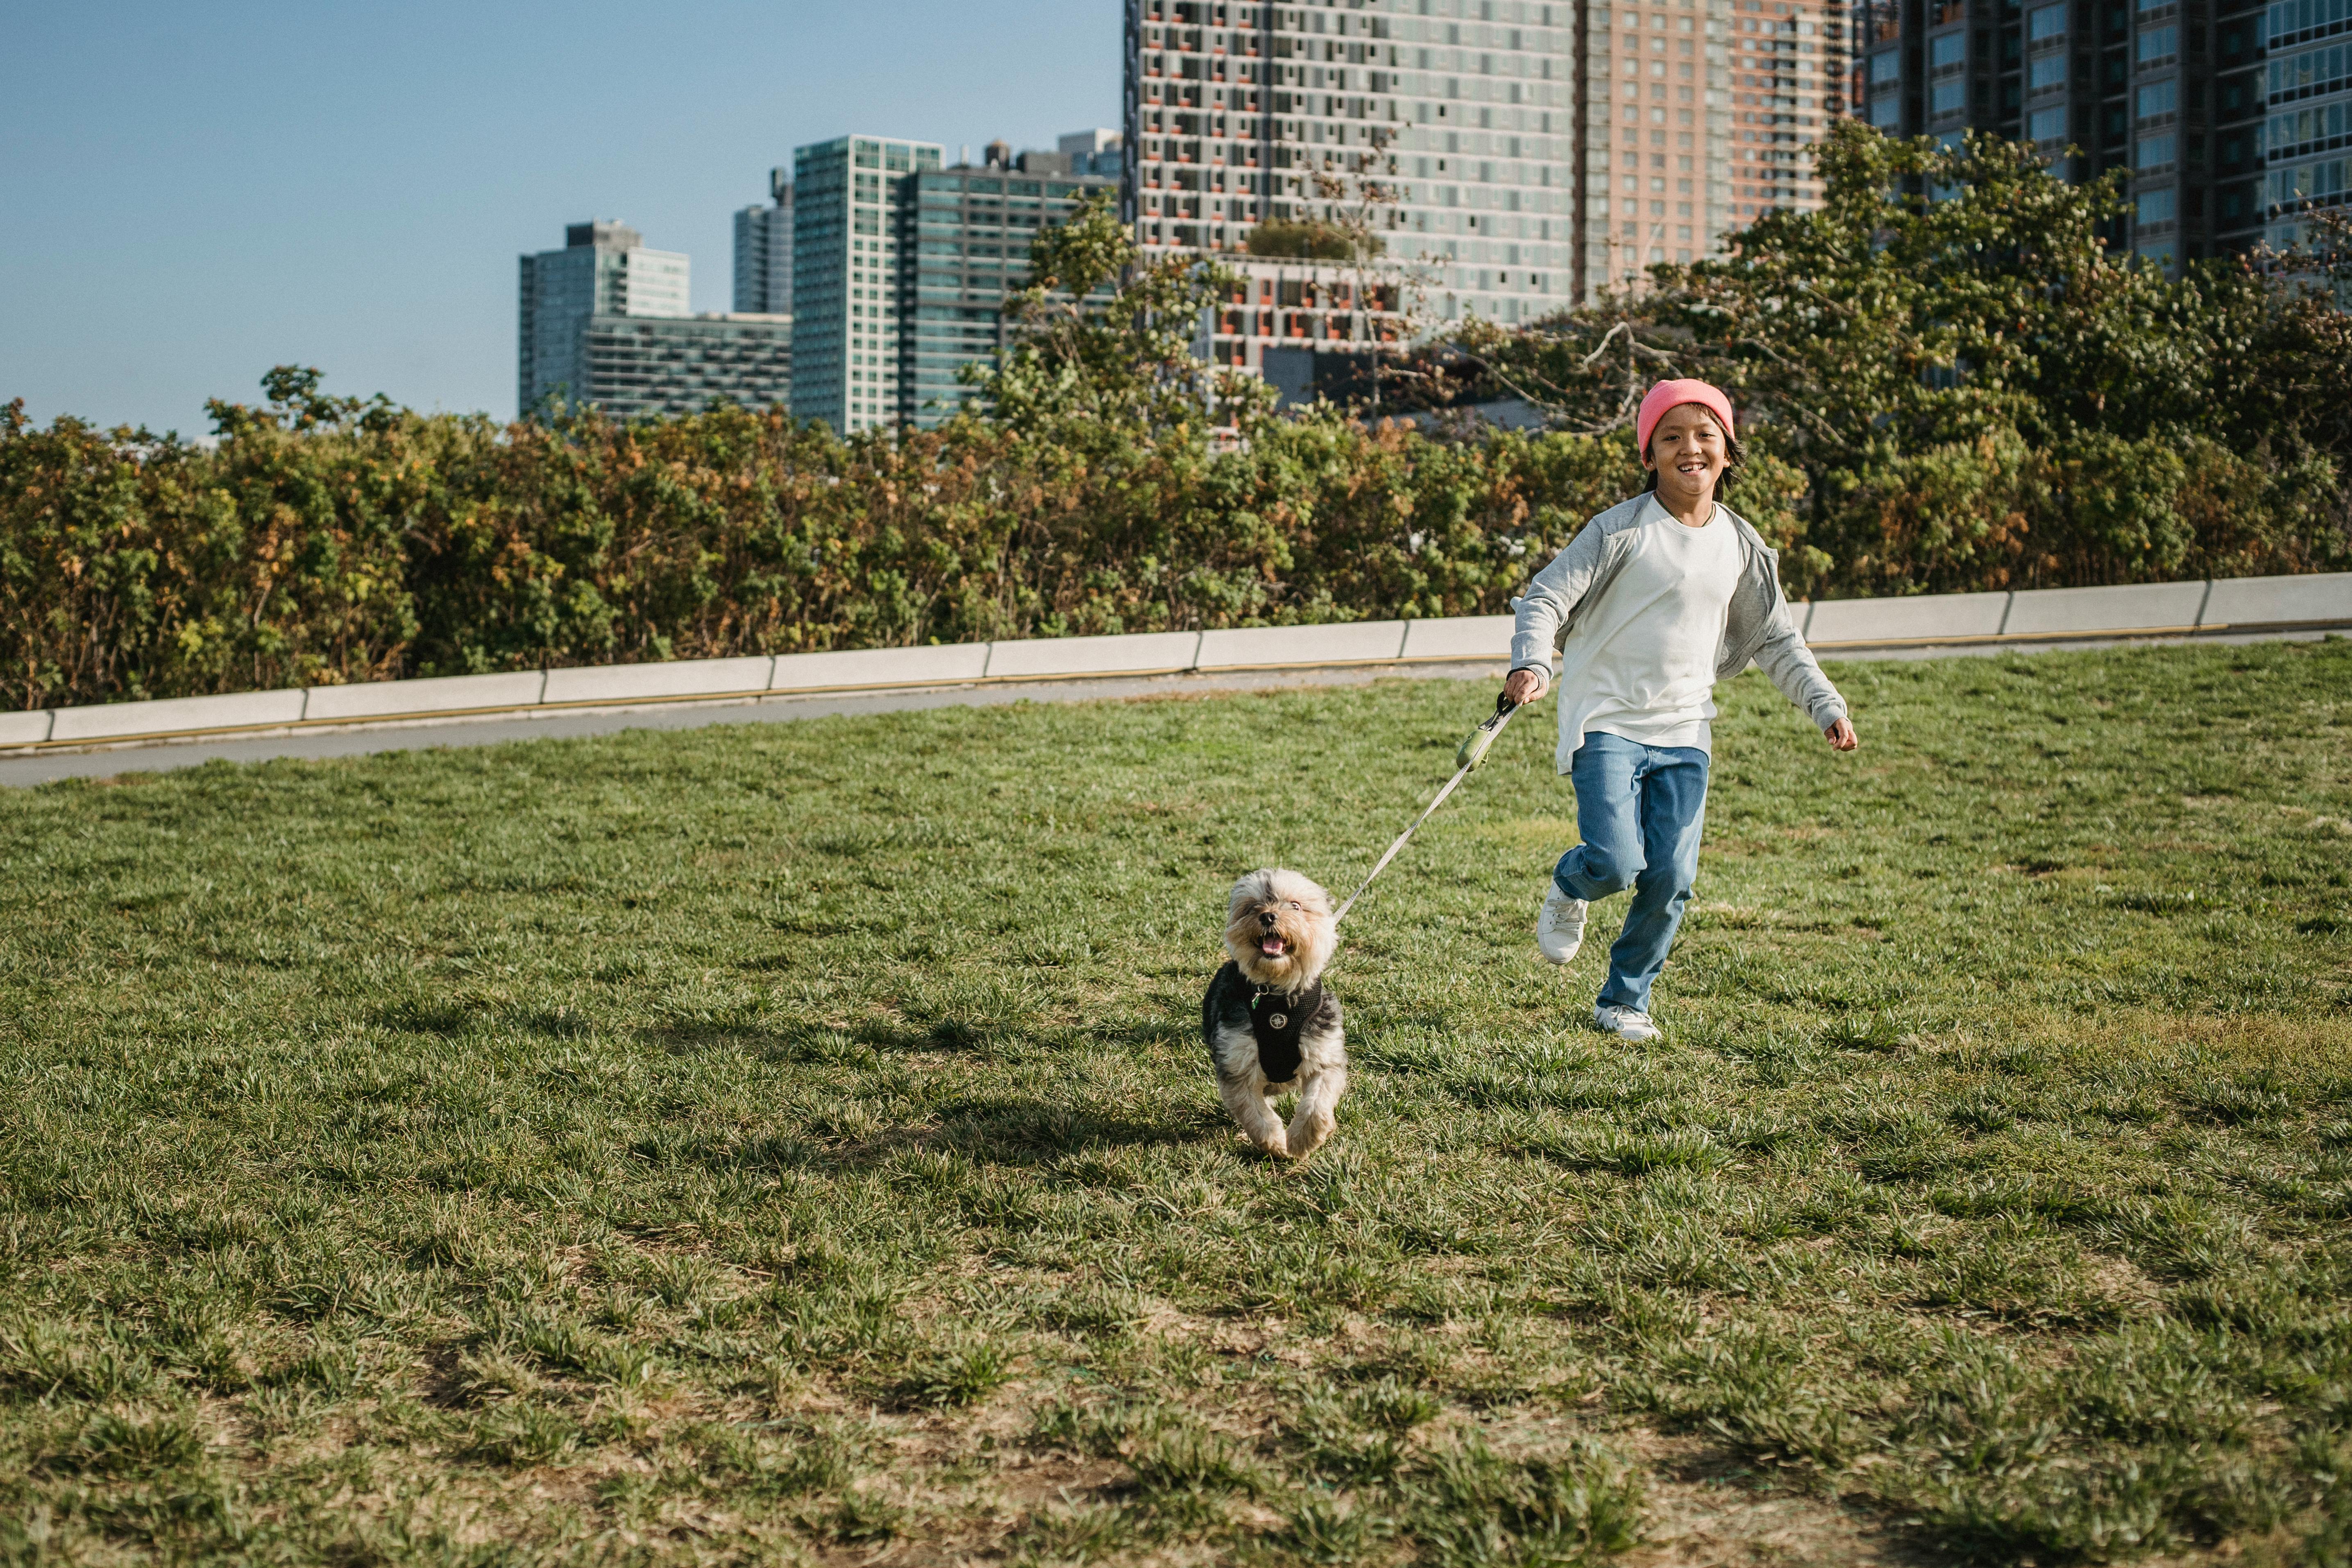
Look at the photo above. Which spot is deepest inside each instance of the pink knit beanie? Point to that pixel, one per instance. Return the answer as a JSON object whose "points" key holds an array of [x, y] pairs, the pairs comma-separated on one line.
{"points": [[1673, 395]]}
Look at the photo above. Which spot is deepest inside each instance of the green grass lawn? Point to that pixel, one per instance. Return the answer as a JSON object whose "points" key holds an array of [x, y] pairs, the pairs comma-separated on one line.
{"points": [[793, 1142]]}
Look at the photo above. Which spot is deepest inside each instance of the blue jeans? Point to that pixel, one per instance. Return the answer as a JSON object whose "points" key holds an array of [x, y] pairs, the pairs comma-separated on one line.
{"points": [[1639, 810]]}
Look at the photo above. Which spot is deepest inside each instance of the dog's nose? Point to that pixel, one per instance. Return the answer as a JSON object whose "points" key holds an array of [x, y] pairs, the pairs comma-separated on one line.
{"points": [[1265, 919]]}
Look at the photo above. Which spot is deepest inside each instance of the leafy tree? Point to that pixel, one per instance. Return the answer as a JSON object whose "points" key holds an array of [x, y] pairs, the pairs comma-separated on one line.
{"points": [[293, 401], [1312, 240], [1975, 388], [1102, 342]]}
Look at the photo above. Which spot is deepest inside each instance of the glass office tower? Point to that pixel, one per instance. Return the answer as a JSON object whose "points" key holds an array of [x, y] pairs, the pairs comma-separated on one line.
{"points": [[2307, 99], [605, 322], [901, 266], [764, 251], [604, 269], [2171, 93]]}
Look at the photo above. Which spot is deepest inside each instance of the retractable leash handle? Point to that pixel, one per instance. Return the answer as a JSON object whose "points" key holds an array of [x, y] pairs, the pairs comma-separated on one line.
{"points": [[1473, 752]]}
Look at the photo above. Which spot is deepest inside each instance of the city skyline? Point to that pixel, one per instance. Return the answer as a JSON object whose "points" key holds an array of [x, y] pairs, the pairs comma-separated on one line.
{"points": [[182, 222], [289, 249]]}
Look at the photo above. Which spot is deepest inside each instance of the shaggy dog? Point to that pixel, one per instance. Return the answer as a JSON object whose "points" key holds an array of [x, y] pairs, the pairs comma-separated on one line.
{"points": [[1268, 1022]]}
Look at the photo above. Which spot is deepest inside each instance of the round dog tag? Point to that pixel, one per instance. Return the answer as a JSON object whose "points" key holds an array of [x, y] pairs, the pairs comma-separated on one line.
{"points": [[1279, 1021]]}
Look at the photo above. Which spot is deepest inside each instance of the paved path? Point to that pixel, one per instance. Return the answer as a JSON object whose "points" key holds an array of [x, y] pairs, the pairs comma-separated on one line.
{"points": [[497, 729], [22, 770]]}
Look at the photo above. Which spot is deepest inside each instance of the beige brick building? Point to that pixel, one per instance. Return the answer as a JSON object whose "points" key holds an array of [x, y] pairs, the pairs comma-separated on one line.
{"points": [[1792, 74]]}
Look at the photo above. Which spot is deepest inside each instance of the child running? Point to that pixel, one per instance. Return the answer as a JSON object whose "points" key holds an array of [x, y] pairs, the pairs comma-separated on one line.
{"points": [[1652, 603]]}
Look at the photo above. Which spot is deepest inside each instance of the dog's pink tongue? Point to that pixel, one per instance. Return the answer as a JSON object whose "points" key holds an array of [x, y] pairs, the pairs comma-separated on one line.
{"points": [[1272, 945]]}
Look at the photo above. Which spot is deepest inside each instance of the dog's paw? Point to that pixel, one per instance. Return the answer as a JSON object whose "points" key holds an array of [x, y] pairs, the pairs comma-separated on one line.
{"points": [[1274, 1144], [1307, 1134]]}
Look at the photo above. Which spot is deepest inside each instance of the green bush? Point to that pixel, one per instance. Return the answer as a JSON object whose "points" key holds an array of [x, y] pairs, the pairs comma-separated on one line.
{"points": [[321, 542]]}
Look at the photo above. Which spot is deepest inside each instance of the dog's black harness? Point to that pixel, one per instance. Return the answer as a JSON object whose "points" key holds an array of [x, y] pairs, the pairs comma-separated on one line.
{"points": [[1276, 1018]]}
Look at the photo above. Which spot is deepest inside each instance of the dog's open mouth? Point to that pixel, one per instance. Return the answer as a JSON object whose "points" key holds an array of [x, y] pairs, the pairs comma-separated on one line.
{"points": [[1273, 946]]}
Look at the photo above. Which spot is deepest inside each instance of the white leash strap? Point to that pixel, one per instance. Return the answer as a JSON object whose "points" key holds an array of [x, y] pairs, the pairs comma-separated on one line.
{"points": [[1479, 755]]}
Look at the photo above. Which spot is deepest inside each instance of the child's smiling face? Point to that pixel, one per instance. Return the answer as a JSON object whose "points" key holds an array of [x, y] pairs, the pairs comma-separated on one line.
{"points": [[1686, 448]]}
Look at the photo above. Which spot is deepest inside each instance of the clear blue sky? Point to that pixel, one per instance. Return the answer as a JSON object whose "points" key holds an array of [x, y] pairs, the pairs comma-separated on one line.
{"points": [[192, 194]]}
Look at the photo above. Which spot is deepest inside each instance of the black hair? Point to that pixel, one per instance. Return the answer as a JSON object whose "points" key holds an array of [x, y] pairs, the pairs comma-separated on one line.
{"points": [[1731, 460]]}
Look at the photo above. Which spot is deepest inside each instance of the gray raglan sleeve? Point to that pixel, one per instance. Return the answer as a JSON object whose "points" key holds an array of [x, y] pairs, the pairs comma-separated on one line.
{"points": [[1550, 599], [1784, 657]]}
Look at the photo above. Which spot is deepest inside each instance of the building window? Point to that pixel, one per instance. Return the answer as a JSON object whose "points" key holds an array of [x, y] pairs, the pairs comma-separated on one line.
{"points": [[2048, 72], [1948, 51], [2157, 206], [1948, 98], [2157, 97], [2048, 125], [2159, 43], [2047, 22]]}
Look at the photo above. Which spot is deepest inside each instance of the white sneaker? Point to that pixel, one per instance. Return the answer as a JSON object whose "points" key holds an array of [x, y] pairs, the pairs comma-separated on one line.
{"points": [[1559, 930], [1627, 1024]]}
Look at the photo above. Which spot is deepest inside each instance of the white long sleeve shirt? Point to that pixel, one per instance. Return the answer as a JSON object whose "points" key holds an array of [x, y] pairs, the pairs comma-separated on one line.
{"points": [[1583, 578], [1641, 663]]}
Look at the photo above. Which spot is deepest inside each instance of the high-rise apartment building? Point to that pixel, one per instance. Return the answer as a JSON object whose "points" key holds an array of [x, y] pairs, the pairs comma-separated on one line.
{"points": [[1656, 160], [848, 198], [1776, 73], [670, 364], [605, 322], [2176, 93], [764, 251], [1242, 114], [966, 245], [603, 269], [1791, 73], [900, 267], [1511, 155]]}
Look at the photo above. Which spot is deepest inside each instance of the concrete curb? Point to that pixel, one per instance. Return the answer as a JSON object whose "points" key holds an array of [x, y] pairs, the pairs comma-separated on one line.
{"points": [[2031, 617]]}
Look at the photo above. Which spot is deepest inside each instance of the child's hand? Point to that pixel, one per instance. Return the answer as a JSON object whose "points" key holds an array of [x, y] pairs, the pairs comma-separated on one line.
{"points": [[1523, 686], [1842, 736]]}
